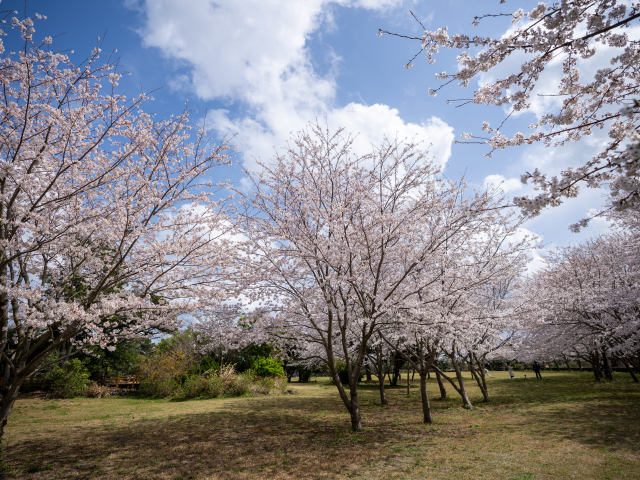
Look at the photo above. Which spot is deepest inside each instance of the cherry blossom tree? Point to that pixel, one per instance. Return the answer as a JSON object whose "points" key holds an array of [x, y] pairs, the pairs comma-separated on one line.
{"points": [[107, 229], [584, 303], [570, 33], [466, 314], [340, 246]]}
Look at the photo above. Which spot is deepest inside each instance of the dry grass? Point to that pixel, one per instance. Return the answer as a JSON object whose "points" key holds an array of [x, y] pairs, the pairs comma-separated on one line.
{"points": [[565, 426]]}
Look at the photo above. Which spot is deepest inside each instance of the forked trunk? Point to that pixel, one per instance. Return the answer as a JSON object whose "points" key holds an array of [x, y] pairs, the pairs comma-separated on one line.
{"points": [[425, 366], [443, 391], [466, 403], [350, 402], [380, 372], [480, 378]]}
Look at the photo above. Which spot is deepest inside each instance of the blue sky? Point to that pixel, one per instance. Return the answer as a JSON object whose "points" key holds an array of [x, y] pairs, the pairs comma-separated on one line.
{"points": [[263, 68]]}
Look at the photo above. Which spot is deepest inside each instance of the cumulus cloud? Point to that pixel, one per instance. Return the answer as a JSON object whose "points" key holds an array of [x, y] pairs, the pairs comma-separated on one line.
{"points": [[506, 185], [254, 54], [536, 255]]}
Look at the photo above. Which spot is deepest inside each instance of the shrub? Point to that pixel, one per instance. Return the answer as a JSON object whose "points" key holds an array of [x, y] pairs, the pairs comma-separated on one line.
{"points": [[208, 364], [166, 388], [280, 384], [215, 387], [163, 366], [262, 386], [70, 379], [164, 372], [268, 367], [241, 384], [97, 391], [214, 383], [207, 385]]}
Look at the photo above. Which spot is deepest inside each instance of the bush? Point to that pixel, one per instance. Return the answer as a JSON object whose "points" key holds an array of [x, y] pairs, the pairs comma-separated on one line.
{"points": [[214, 383], [268, 367], [164, 366], [215, 387], [262, 386], [208, 385], [280, 384], [97, 391], [166, 388], [70, 379], [164, 373]]}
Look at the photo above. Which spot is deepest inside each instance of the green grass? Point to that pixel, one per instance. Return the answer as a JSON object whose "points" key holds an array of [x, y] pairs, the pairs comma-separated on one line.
{"points": [[565, 426]]}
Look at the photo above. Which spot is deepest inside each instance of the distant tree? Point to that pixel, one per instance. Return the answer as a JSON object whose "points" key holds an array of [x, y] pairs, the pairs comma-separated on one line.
{"points": [[123, 359]]}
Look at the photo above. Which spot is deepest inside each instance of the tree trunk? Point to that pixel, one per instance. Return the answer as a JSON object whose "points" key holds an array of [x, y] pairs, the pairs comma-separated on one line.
{"points": [[380, 371], [6, 405], [458, 388], [629, 369], [356, 424], [466, 403], [595, 363], [408, 382], [480, 379], [443, 391], [397, 365], [383, 394], [350, 401], [367, 371], [607, 363], [426, 408], [5, 375]]}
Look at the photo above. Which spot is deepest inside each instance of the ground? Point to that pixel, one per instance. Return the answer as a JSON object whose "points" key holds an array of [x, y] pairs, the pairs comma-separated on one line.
{"points": [[564, 426]]}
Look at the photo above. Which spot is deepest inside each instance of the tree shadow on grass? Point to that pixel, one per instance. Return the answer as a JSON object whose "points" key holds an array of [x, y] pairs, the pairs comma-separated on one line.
{"points": [[602, 422], [307, 435], [280, 438]]}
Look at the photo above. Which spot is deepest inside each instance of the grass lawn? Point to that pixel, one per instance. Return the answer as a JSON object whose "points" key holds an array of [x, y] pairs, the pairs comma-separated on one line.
{"points": [[564, 426]]}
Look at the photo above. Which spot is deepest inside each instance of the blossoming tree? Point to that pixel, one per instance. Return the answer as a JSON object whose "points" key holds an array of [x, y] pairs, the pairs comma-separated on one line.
{"points": [[339, 246], [106, 229], [584, 304], [570, 33]]}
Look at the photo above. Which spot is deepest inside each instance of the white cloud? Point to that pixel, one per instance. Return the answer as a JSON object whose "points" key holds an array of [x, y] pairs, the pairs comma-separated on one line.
{"points": [[253, 53], [506, 185], [536, 255]]}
